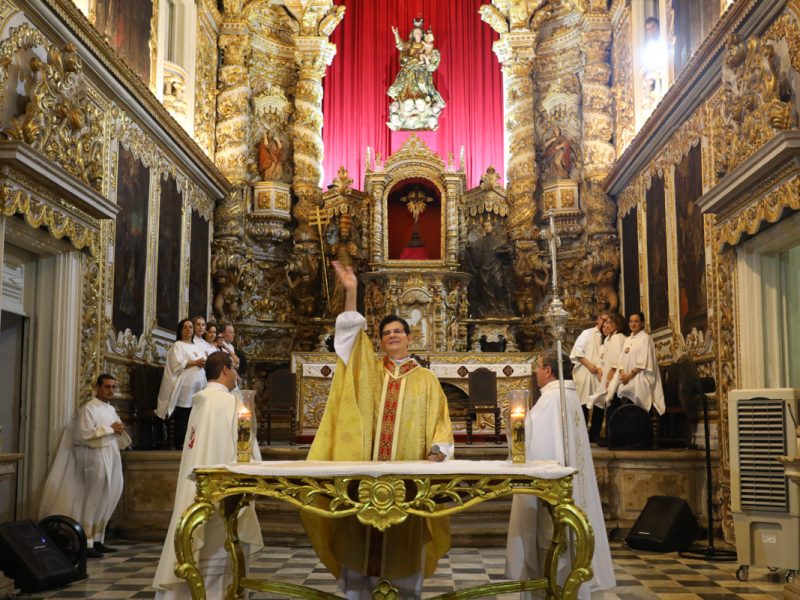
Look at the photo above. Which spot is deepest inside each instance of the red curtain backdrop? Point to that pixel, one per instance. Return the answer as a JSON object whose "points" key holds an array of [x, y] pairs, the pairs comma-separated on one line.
{"points": [[355, 105]]}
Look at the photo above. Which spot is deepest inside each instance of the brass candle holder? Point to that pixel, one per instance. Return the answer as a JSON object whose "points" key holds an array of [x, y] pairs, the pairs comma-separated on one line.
{"points": [[517, 408], [244, 434]]}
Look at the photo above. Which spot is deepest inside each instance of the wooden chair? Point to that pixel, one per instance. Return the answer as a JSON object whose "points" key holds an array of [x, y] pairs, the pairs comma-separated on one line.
{"points": [[483, 399], [281, 402]]}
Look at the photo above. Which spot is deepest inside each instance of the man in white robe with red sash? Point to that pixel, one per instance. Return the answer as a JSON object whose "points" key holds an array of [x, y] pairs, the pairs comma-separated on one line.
{"points": [[210, 440], [379, 409]]}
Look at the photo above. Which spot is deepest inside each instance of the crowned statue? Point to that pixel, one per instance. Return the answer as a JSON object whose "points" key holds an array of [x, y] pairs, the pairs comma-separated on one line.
{"points": [[416, 104]]}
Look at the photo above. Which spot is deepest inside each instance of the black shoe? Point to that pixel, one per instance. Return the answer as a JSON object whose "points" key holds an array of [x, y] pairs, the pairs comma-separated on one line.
{"points": [[92, 553], [602, 442], [101, 547]]}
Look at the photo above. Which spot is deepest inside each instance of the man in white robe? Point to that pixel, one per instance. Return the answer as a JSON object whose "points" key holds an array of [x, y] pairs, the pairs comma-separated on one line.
{"points": [[530, 528], [210, 439], [85, 481], [585, 357]]}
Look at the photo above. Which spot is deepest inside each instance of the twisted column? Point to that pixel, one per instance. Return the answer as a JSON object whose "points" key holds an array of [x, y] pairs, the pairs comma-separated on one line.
{"points": [[313, 54], [233, 101], [515, 52]]}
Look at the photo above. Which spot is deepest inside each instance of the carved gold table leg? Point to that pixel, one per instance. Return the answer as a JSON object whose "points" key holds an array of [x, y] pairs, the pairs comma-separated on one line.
{"points": [[197, 514], [229, 510]]}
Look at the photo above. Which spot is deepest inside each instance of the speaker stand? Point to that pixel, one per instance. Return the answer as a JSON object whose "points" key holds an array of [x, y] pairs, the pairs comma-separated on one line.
{"points": [[709, 552]]}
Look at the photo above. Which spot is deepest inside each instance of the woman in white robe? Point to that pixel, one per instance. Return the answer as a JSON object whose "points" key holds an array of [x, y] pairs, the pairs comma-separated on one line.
{"points": [[610, 353], [639, 377], [184, 376]]}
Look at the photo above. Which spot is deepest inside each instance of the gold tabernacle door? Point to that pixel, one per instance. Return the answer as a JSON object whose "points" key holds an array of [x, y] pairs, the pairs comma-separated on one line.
{"points": [[382, 495]]}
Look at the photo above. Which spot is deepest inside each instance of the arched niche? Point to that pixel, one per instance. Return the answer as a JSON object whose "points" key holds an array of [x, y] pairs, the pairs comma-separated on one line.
{"points": [[407, 239]]}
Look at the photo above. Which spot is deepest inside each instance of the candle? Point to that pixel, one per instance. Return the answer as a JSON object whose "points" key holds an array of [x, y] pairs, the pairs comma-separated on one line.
{"points": [[243, 436], [517, 407], [518, 436]]}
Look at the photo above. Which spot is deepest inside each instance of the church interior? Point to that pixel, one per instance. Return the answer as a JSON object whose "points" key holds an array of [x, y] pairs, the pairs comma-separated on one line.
{"points": [[471, 160]]}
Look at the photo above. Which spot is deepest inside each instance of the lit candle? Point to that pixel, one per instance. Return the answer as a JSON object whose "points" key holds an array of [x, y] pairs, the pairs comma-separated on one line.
{"points": [[518, 436], [517, 407], [243, 446]]}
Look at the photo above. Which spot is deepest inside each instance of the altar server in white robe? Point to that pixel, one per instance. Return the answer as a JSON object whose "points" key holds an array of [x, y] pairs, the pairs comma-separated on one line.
{"points": [[211, 440], [530, 528], [610, 353], [85, 482], [639, 377], [585, 357], [184, 376]]}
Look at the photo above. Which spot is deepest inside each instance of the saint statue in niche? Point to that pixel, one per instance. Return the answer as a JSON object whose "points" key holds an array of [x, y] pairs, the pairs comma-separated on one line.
{"points": [[416, 104]]}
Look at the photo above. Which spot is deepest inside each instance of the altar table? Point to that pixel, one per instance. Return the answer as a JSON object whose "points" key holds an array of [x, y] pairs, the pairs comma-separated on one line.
{"points": [[383, 494]]}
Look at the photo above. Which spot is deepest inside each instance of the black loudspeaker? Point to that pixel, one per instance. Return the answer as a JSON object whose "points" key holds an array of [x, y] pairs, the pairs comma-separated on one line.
{"points": [[31, 558], [665, 525], [628, 427]]}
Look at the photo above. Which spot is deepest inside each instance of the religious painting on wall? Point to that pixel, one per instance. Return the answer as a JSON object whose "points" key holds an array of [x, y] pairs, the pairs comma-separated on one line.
{"points": [[198, 271], [630, 260], [658, 280], [415, 221], [170, 228], [691, 244], [126, 25], [130, 243]]}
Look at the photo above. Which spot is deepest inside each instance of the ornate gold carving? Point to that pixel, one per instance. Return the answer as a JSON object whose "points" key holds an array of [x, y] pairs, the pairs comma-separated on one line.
{"points": [[768, 209], [233, 102], [205, 81], [60, 120], [723, 320], [42, 209], [756, 96], [377, 504]]}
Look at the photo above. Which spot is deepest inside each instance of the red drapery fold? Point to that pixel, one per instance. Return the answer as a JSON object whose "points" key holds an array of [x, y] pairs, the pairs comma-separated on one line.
{"points": [[355, 105]]}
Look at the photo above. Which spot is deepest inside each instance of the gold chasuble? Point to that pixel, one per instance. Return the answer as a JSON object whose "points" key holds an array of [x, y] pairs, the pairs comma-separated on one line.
{"points": [[378, 410]]}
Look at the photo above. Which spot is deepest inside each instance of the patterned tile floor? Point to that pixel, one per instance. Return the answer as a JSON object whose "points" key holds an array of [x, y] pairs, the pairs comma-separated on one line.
{"points": [[640, 575]]}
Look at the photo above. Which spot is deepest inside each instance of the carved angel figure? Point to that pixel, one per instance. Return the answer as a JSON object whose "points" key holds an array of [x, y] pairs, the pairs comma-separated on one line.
{"points": [[416, 102]]}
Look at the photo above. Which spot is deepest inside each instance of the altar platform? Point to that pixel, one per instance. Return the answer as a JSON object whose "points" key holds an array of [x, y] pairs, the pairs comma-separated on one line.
{"points": [[626, 479]]}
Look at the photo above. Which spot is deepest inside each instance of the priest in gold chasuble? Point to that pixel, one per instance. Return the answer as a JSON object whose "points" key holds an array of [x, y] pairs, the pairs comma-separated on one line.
{"points": [[389, 409]]}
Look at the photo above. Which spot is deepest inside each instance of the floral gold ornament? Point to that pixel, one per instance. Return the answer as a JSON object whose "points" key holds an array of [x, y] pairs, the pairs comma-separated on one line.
{"points": [[382, 502]]}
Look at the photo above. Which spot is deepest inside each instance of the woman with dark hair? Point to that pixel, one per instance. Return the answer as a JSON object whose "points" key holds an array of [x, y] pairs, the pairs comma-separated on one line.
{"points": [[639, 377], [184, 375], [610, 352]]}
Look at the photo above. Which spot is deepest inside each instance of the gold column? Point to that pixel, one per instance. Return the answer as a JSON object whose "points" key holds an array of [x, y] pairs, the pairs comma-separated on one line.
{"points": [[313, 55], [598, 150], [233, 99], [316, 21], [515, 52]]}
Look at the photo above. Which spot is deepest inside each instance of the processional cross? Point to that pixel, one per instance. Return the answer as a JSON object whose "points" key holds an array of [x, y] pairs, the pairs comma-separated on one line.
{"points": [[557, 318], [319, 219]]}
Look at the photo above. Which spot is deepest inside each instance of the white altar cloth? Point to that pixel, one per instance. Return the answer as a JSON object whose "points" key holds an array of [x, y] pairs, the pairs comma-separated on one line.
{"points": [[543, 469]]}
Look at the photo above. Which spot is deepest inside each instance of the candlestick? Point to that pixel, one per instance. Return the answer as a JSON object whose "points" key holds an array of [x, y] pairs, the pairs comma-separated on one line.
{"points": [[243, 436]]}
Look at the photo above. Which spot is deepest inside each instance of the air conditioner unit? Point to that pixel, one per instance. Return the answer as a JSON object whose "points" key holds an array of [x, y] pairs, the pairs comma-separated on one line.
{"points": [[766, 505]]}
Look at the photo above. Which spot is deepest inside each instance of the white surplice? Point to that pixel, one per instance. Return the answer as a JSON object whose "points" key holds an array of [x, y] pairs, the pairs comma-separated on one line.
{"points": [[85, 481], [586, 346], [610, 352], [530, 528], [211, 440], [639, 352], [179, 384]]}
